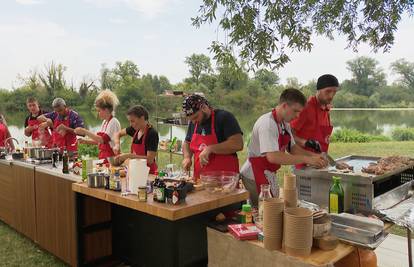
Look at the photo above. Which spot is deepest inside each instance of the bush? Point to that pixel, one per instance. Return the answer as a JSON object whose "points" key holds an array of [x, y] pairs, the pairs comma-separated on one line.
{"points": [[355, 136], [403, 134], [85, 149]]}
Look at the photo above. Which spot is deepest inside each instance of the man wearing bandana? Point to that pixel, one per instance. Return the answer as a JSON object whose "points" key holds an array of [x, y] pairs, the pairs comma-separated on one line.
{"points": [[313, 128], [213, 137]]}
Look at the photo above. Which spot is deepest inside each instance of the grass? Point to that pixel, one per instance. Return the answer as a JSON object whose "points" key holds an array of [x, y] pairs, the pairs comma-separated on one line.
{"points": [[16, 250]]}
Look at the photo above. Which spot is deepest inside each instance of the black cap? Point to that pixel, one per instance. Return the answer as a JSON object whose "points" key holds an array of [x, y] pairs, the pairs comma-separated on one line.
{"points": [[327, 80], [193, 103]]}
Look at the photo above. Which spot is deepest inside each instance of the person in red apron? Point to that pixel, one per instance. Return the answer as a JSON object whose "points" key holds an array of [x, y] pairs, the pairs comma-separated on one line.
{"points": [[144, 144], [63, 121], [105, 103], [31, 124], [313, 128], [272, 145], [213, 138], [4, 134]]}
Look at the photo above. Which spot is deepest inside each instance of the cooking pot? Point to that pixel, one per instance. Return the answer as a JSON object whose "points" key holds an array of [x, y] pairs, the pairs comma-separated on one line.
{"points": [[96, 180]]}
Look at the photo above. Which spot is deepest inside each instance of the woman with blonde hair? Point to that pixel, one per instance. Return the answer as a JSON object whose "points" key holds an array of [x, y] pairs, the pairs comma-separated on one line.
{"points": [[105, 103]]}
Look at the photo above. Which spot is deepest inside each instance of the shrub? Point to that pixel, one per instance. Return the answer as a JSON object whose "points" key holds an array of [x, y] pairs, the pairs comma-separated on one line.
{"points": [[403, 134], [355, 136]]}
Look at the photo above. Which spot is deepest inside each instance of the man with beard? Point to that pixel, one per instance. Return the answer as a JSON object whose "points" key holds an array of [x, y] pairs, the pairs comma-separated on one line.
{"points": [[313, 128], [213, 137]]}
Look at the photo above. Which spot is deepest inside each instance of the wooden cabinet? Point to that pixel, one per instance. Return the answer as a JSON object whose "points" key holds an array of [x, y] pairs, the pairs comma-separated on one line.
{"points": [[24, 200], [55, 216], [7, 213]]}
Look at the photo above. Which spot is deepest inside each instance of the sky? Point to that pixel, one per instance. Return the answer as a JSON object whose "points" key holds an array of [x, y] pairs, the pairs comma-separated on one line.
{"points": [[156, 34]]}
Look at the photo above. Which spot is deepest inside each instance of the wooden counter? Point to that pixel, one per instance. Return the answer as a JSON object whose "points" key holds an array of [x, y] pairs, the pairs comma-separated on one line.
{"points": [[196, 202], [38, 201], [137, 233], [226, 251]]}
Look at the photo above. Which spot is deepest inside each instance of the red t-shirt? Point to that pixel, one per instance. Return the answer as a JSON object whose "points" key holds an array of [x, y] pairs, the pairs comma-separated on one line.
{"points": [[309, 120]]}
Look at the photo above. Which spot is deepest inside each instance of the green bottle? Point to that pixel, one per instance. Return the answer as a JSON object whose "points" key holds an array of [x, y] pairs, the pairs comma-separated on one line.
{"points": [[247, 216], [336, 196]]}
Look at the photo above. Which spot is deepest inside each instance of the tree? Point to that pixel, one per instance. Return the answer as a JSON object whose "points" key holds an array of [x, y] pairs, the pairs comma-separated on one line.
{"points": [[199, 64], [405, 70], [366, 76], [264, 31], [125, 71], [107, 78], [53, 78], [266, 78]]}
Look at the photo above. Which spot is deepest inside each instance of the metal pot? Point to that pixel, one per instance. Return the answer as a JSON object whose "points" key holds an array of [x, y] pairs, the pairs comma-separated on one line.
{"points": [[96, 180], [43, 153], [31, 152]]}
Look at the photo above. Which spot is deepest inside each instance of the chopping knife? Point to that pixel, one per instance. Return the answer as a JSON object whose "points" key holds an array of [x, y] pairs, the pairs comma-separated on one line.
{"points": [[331, 161]]}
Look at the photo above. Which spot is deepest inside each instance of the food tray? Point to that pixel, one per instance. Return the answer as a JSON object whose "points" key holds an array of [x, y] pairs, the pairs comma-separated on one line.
{"points": [[361, 231]]}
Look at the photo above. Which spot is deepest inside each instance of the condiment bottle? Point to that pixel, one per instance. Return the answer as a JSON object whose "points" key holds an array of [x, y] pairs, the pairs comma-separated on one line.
{"points": [[336, 196]]}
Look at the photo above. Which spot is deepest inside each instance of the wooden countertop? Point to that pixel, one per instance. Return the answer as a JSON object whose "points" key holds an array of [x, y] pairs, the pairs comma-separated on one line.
{"points": [[228, 246], [196, 202]]}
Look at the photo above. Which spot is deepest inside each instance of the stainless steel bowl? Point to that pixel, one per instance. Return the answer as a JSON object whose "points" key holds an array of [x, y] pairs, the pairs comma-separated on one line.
{"points": [[96, 180]]}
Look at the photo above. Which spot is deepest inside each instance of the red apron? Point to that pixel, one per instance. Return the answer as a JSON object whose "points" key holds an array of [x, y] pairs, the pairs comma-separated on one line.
{"points": [[105, 149], [139, 149], [68, 140], [42, 135], [216, 162], [260, 165], [322, 135], [3, 134]]}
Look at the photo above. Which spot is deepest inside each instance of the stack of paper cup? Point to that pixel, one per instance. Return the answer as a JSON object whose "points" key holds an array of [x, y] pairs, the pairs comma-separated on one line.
{"points": [[273, 223], [290, 194], [298, 231]]}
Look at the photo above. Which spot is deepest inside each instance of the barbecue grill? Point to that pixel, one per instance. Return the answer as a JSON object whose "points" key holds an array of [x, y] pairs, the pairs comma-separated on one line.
{"points": [[360, 188]]}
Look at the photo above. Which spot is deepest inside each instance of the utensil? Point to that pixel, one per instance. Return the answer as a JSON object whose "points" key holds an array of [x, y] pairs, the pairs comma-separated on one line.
{"points": [[96, 180], [331, 161]]}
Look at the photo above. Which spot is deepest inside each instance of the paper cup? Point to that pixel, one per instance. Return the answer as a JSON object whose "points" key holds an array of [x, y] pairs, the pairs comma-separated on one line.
{"points": [[298, 230], [291, 198], [289, 182], [273, 223]]}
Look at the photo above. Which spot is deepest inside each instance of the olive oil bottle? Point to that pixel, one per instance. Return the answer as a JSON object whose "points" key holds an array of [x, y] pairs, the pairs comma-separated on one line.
{"points": [[336, 196]]}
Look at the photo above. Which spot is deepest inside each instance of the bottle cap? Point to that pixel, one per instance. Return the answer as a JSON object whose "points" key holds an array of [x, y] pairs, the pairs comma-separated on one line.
{"points": [[246, 208]]}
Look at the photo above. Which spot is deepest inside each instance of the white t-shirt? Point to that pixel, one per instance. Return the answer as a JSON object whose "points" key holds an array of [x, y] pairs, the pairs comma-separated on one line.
{"points": [[113, 127], [264, 138]]}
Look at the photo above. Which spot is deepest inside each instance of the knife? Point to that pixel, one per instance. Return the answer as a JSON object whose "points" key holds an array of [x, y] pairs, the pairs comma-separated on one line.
{"points": [[331, 161]]}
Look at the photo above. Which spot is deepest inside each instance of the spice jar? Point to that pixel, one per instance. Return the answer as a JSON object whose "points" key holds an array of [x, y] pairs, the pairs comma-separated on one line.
{"points": [[142, 194]]}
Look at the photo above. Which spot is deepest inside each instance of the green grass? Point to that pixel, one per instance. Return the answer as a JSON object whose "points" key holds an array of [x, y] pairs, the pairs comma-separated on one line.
{"points": [[16, 250]]}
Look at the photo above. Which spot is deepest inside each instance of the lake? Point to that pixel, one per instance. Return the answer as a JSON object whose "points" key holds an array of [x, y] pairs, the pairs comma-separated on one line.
{"points": [[372, 121]]}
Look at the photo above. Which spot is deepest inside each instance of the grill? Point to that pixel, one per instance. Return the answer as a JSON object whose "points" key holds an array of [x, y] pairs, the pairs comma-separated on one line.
{"points": [[360, 188]]}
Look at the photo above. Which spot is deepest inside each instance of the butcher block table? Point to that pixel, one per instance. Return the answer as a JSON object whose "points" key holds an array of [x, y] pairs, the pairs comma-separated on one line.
{"points": [[112, 227]]}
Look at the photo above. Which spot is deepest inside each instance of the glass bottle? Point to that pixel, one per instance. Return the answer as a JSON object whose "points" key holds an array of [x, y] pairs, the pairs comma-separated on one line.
{"points": [[264, 194], [336, 196]]}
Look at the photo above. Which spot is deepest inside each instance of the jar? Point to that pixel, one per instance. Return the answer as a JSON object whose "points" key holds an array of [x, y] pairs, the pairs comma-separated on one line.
{"points": [[142, 194]]}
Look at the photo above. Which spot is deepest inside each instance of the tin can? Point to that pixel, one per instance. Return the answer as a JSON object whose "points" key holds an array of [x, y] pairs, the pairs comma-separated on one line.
{"points": [[142, 194]]}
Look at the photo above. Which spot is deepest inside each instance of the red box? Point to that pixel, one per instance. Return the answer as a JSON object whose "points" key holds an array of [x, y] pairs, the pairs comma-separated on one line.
{"points": [[247, 231]]}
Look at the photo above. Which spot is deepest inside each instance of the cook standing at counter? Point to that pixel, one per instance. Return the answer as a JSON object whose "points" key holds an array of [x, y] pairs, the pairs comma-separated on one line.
{"points": [[272, 145], [4, 134], [145, 138], [105, 103], [213, 137], [313, 128], [63, 121], [31, 124]]}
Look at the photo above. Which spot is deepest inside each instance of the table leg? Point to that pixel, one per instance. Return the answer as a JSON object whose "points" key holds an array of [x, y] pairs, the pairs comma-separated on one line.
{"points": [[410, 252]]}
